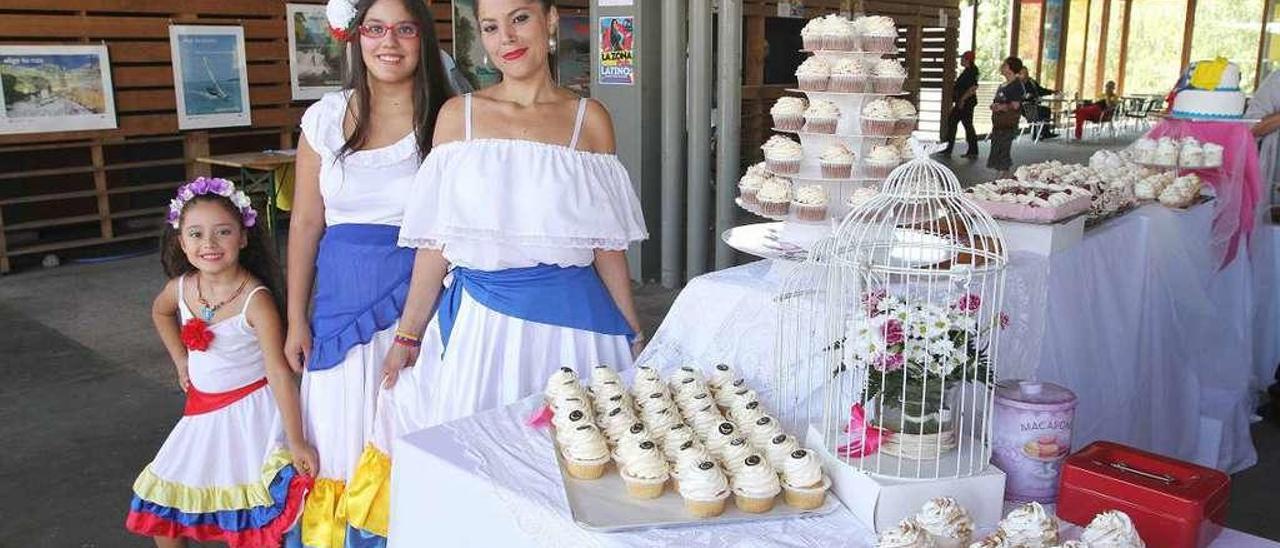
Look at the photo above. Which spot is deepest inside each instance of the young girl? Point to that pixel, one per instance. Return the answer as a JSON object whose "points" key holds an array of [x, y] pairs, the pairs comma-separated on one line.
{"points": [[219, 475]]}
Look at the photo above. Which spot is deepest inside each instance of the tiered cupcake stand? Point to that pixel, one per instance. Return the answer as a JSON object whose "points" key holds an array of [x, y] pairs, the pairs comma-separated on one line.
{"points": [[789, 237]]}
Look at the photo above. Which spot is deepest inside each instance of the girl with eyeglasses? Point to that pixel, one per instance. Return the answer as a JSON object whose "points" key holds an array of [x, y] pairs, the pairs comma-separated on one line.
{"points": [[347, 279], [525, 205]]}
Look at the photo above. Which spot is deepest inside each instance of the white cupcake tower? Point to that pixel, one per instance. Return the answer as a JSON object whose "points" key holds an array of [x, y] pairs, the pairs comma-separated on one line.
{"points": [[848, 132]]}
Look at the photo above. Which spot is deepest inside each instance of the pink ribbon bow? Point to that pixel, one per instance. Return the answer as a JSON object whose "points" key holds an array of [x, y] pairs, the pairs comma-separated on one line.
{"points": [[865, 439]]}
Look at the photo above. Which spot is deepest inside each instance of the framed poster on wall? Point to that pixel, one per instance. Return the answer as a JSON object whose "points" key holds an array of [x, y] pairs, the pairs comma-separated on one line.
{"points": [[210, 76], [468, 52], [55, 88], [315, 57]]}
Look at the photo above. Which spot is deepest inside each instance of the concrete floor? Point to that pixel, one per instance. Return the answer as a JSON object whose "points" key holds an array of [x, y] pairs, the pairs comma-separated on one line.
{"points": [[87, 395]]}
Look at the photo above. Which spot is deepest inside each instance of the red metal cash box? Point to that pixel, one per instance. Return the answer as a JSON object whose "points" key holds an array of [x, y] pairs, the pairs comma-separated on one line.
{"points": [[1173, 504]]}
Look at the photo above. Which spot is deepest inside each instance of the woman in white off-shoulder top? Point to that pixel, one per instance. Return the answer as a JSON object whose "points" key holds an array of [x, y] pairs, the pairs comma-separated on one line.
{"points": [[523, 201]]}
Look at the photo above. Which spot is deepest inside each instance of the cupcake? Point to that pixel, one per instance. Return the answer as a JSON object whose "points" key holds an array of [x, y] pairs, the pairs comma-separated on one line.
{"points": [[703, 487], [908, 534], [788, 113], [695, 399], [850, 75], [783, 155], [997, 539], [1212, 155], [562, 384], [1191, 155], [860, 197], [947, 522], [704, 420], [804, 486], [721, 376], [748, 186], [780, 448], [809, 203], [814, 34], [659, 419], [719, 437], [616, 422], [645, 472], [903, 145], [880, 162], [734, 455], [836, 161], [905, 114], [607, 399], [763, 429], [1030, 526], [755, 486], [775, 197], [584, 450], [813, 74], [1111, 529], [821, 117], [840, 34], [659, 398], [628, 440], [877, 34], [746, 414], [888, 76], [674, 437], [647, 378], [758, 168], [739, 398], [572, 412], [878, 118]]}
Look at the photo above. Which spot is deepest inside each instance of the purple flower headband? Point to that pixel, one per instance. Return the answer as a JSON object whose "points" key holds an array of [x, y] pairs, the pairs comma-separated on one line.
{"points": [[208, 185]]}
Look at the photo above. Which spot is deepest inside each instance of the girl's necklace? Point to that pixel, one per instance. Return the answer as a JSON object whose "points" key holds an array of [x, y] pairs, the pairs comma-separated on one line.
{"points": [[207, 310]]}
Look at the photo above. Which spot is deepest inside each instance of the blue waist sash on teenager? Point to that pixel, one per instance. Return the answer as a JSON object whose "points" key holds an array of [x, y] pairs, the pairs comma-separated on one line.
{"points": [[362, 280], [572, 297]]}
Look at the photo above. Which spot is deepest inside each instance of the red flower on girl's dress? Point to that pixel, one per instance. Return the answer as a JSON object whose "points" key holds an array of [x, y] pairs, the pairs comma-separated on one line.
{"points": [[196, 335]]}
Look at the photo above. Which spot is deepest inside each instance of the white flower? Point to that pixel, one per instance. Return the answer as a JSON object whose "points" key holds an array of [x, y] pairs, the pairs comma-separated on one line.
{"points": [[175, 205], [942, 347], [340, 13], [240, 200], [185, 194]]}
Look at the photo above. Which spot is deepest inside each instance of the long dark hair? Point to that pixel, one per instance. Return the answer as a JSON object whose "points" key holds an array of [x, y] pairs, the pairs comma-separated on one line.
{"points": [[429, 88], [256, 257]]}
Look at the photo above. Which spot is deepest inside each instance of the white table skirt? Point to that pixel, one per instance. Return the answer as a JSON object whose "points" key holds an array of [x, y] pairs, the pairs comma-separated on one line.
{"points": [[489, 480], [1164, 350]]}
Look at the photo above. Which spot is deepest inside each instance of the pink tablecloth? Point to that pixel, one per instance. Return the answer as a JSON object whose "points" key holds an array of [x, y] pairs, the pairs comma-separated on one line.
{"points": [[1237, 184]]}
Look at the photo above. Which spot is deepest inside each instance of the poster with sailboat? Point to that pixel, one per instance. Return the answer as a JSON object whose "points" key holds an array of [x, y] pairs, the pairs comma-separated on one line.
{"points": [[210, 76]]}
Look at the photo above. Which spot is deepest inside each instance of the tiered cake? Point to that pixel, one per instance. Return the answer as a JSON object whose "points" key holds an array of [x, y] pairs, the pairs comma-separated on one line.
{"points": [[1209, 89], [837, 144]]}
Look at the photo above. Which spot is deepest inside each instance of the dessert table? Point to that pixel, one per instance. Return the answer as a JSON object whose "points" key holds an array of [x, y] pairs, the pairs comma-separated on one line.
{"points": [[489, 480], [1162, 348]]}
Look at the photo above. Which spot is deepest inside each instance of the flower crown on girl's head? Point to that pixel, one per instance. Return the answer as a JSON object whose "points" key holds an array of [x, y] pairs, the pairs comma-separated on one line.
{"points": [[208, 185], [342, 17]]}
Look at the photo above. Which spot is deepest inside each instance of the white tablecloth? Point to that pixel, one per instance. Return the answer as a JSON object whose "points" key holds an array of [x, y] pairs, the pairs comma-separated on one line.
{"points": [[489, 480], [1164, 350]]}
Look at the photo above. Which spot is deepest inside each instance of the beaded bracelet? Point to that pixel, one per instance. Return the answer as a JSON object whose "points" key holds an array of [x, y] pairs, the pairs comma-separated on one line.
{"points": [[405, 339]]}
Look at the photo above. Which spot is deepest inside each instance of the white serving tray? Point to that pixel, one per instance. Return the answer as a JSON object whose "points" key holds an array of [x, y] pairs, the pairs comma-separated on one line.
{"points": [[602, 505]]}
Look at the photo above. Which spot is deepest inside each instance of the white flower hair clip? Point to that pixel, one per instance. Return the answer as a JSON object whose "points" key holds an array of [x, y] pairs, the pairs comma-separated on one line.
{"points": [[206, 185], [342, 17]]}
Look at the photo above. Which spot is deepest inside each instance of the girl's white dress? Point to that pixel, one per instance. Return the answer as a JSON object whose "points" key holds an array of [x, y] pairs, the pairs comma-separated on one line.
{"points": [[219, 475], [519, 222], [362, 280]]}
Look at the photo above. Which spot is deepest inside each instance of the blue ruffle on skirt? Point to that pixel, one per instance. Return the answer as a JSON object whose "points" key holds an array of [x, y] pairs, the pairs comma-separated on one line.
{"points": [[362, 280]]}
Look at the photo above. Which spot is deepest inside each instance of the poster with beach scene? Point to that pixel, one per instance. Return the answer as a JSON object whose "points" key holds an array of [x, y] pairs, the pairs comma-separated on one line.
{"points": [[210, 76], [468, 52], [315, 58], [55, 88]]}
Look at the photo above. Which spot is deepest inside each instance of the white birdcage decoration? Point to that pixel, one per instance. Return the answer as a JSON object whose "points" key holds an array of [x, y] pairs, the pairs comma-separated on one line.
{"points": [[894, 367]]}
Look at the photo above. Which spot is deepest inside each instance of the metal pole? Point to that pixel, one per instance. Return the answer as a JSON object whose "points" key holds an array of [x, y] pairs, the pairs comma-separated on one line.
{"points": [[699, 159], [674, 57], [729, 102]]}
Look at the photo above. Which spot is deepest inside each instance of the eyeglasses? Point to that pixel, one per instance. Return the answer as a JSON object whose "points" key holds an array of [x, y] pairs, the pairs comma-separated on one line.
{"points": [[405, 29]]}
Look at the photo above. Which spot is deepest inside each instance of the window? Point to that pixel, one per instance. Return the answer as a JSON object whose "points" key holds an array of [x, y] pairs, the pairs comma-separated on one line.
{"points": [[1029, 34], [1154, 56], [1229, 28]]}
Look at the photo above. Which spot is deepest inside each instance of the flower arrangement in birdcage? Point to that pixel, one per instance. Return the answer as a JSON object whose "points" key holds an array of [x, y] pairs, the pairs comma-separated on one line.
{"points": [[910, 353]]}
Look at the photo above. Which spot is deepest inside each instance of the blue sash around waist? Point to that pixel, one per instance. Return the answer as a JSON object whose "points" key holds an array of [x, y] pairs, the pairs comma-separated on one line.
{"points": [[362, 280], [572, 297]]}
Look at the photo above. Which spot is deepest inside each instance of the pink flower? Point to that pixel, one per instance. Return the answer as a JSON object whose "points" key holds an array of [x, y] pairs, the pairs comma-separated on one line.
{"points": [[887, 363], [968, 304], [871, 300], [892, 332], [1004, 320]]}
